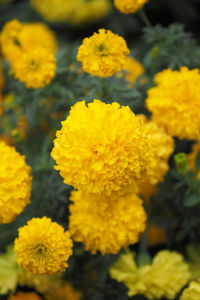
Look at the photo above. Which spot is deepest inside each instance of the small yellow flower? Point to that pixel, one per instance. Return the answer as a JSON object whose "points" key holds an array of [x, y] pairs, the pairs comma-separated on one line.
{"points": [[25, 296], [165, 277], [133, 68], [103, 54], [17, 37], [15, 183], [175, 102], [35, 67], [64, 292], [102, 147], [192, 292], [129, 6], [110, 222], [37, 35], [43, 247], [9, 39]]}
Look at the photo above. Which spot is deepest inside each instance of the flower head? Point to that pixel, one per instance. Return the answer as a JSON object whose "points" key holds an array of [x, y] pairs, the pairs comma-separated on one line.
{"points": [[192, 292], [175, 102], [37, 35], [102, 147], [35, 67], [17, 37], [103, 54], [43, 247], [165, 277], [9, 39], [129, 6], [110, 222], [25, 296], [15, 183], [64, 292], [133, 68]]}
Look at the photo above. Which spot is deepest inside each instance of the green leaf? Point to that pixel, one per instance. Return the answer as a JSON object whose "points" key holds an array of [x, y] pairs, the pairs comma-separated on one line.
{"points": [[192, 200]]}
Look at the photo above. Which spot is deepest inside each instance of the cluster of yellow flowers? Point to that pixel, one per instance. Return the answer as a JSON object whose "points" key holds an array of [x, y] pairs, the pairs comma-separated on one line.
{"points": [[72, 11], [119, 154], [30, 48], [192, 292], [165, 277]]}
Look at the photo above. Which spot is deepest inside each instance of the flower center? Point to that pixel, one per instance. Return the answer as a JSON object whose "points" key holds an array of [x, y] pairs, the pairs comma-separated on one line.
{"points": [[40, 250]]}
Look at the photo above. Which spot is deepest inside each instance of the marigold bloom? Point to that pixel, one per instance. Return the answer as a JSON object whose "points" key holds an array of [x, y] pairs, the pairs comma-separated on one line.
{"points": [[129, 6], [43, 247], [192, 292], [17, 37], [64, 292], [37, 35], [102, 147], [192, 158], [15, 183], [110, 222], [25, 296], [103, 54], [35, 67], [167, 275], [133, 68], [8, 39], [175, 102]]}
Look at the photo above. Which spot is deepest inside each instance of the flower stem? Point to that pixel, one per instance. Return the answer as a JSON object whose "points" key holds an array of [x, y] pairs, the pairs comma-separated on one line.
{"points": [[144, 18]]}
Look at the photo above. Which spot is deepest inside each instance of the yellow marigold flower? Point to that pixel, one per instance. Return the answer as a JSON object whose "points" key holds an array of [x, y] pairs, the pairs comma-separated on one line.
{"points": [[64, 292], [167, 275], [17, 37], [156, 235], [37, 34], [43, 247], [103, 54], [175, 102], [55, 10], [15, 183], [192, 292], [133, 68], [110, 222], [192, 158], [129, 6], [86, 11], [25, 296], [8, 39], [102, 147], [35, 67]]}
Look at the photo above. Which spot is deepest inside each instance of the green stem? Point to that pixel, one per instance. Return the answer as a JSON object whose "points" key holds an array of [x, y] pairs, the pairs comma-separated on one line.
{"points": [[144, 18]]}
